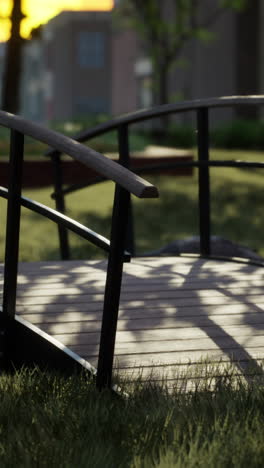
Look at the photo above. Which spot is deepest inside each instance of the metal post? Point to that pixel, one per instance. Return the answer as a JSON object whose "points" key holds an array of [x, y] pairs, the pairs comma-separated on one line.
{"points": [[124, 159], [204, 182], [13, 224], [112, 288], [60, 205]]}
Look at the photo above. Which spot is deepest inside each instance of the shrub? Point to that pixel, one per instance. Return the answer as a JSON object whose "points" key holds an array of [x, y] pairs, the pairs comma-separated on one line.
{"points": [[182, 136], [240, 134]]}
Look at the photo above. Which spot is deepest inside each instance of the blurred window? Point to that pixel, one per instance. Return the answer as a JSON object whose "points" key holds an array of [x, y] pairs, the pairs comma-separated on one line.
{"points": [[91, 49], [91, 105]]}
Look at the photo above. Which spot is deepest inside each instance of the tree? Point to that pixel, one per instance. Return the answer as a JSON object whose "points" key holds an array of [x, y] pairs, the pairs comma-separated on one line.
{"points": [[167, 25], [12, 66]]}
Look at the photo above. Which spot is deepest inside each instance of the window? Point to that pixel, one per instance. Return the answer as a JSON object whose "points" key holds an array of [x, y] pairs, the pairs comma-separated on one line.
{"points": [[91, 105], [91, 49]]}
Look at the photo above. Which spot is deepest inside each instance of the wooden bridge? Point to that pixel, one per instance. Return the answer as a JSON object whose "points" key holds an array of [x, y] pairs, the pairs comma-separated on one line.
{"points": [[155, 315], [173, 311]]}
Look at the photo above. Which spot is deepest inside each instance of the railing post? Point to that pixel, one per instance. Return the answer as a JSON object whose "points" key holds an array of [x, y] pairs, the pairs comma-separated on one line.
{"points": [[60, 205], [112, 288], [13, 224], [204, 182], [124, 159]]}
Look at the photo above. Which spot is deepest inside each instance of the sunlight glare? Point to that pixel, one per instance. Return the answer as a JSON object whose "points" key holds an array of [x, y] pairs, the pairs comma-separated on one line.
{"points": [[39, 12]]}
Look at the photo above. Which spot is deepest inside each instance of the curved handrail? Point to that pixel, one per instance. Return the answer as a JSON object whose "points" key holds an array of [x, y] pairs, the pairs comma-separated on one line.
{"points": [[94, 160], [164, 109], [121, 125], [126, 183]]}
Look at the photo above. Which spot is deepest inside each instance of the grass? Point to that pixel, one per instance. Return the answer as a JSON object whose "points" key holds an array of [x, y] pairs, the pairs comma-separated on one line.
{"points": [[237, 212], [50, 420]]}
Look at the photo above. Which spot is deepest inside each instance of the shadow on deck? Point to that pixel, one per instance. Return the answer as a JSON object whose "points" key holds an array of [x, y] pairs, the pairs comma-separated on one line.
{"points": [[173, 311]]}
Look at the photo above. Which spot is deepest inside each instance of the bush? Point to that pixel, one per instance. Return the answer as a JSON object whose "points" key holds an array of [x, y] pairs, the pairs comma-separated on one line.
{"points": [[240, 134], [182, 136]]}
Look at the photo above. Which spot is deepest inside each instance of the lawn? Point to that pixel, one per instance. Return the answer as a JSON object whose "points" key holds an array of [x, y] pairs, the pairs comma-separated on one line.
{"points": [[237, 207], [50, 421]]}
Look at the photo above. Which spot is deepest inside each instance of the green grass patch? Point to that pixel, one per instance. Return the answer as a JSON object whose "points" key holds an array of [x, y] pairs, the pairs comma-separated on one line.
{"points": [[237, 199], [47, 420]]}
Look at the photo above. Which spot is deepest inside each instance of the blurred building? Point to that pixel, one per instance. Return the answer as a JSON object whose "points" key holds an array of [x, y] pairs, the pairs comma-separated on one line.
{"points": [[84, 64], [78, 64], [33, 82], [80, 67], [231, 63]]}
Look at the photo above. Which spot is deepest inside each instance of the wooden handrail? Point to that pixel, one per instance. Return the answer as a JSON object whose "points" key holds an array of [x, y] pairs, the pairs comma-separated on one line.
{"points": [[94, 160]]}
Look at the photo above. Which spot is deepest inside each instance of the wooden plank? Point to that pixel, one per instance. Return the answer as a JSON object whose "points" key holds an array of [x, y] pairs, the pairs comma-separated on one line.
{"points": [[58, 308], [93, 322], [130, 279], [137, 326], [179, 357], [132, 272], [185, 260], [194, 266], [95, 302], [86, 312], [135, 283], [147, 293], [156, 348], [185, 357], [182, 334]]}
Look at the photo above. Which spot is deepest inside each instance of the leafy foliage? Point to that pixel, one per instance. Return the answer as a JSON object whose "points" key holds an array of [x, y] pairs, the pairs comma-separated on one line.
{"points": [[166, 26], [238, 134]]}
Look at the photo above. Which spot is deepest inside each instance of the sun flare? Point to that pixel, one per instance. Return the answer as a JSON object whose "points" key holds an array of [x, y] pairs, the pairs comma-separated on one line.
{"points": [[40, 11]]}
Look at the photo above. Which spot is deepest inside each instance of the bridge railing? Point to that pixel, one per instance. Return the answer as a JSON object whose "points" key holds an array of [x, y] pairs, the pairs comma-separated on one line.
{"points": [[122, 126], [126, 183]]}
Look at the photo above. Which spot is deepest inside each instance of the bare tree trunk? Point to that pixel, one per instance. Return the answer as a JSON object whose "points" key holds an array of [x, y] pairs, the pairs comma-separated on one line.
{"points": [[12, 67]]}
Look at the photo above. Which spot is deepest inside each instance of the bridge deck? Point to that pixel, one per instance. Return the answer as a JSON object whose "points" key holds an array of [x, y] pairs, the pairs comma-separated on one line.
{"points": [[173, 310]]}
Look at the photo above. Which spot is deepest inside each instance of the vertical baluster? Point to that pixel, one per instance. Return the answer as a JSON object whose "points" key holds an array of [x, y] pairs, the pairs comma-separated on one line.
{"points": [[124, 159], [204, 182], [60, 205], [13, 223], [112, 288]]}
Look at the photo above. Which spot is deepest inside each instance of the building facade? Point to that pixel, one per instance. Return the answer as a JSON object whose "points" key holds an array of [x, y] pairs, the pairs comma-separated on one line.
{"points": [[84, 64]]}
